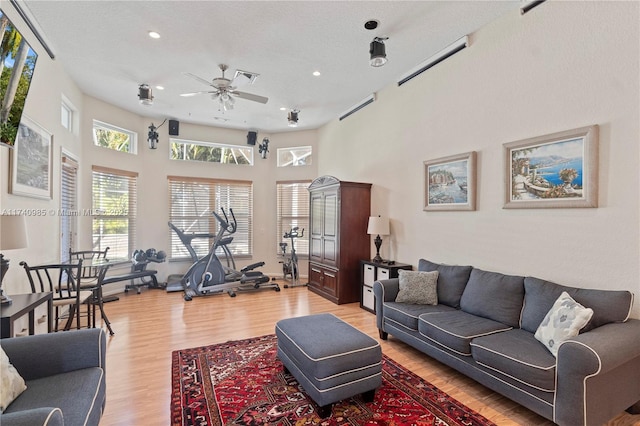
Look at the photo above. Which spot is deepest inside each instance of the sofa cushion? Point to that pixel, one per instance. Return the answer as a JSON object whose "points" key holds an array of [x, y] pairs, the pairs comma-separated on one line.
{"points": [[455, 329], [517, 354], [451, 281], [11, 381], [59, 391], [564, 321], [418, 287], [608, 305], [406, 314], [495, 296]]}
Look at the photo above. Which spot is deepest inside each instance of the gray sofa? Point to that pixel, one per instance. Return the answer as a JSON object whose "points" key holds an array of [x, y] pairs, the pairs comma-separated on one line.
{"points": [[483, 326], [65, 377]]}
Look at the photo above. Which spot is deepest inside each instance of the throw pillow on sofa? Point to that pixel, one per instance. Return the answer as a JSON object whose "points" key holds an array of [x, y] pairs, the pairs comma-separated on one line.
{"points": [[12, 383], [564, 321], [418, 287]]}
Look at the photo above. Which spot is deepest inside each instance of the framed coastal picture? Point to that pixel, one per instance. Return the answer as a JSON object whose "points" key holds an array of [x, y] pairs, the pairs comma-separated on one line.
{"points": [[31, 161], [450, 183], [558, 170]]}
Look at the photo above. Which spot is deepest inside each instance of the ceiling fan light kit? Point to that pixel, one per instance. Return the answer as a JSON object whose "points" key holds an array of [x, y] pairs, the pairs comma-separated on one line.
{"points": [[378, 55], [145, 94]]}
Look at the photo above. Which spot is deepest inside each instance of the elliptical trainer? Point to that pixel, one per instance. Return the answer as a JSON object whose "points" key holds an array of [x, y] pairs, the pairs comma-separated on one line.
{"points": [[208, 276]]}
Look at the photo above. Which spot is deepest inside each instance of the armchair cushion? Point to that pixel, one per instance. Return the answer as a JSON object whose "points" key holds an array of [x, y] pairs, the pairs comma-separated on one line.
{"points": [[12, 384]]}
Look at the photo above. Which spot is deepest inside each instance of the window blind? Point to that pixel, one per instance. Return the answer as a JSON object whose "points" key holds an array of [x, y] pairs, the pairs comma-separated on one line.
{"points": [[191, 203], [68, 206], [114, 211], [292, 211]]}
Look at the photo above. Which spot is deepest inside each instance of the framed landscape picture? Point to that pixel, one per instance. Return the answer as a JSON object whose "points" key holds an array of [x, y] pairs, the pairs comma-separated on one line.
{"points": [[31, 161], [556, 170], [450, 183]]}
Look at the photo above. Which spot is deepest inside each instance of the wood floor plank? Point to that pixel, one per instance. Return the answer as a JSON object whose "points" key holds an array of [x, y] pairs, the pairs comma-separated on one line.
{"points": [[150, 325]]}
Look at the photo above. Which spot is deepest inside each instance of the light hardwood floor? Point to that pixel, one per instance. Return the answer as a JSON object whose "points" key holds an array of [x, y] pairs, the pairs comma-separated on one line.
{"points": [[150, 325]]}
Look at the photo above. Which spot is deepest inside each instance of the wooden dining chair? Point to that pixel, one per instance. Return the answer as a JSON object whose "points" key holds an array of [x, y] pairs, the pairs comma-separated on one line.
{"points": [[64, 282]]}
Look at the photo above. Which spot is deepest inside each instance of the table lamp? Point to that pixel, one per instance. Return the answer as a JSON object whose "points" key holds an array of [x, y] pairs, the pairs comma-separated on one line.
{"points": [[378, 226], [13, 236]]}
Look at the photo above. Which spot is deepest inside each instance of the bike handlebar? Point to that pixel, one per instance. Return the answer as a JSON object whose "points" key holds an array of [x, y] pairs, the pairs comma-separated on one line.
{"points": [[230, 228]]}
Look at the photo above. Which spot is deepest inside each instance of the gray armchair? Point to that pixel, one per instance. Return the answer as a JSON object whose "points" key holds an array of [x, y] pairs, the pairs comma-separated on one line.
{"points": [[65, 377]]}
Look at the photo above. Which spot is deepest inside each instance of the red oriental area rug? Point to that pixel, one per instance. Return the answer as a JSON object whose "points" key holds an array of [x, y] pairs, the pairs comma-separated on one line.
{"points": [[243, 383]]}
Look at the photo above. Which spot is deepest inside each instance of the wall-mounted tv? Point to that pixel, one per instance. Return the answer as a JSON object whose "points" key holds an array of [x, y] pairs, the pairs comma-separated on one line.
{"points": [[17, 62]]}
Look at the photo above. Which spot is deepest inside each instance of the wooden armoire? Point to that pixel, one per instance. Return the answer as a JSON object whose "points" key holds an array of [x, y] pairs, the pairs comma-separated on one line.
{"points": [[338, 238]]}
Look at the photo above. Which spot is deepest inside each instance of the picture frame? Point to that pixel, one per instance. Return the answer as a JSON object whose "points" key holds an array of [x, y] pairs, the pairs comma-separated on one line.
{"points": [[558, 170], [450, 183], [31, 162]]}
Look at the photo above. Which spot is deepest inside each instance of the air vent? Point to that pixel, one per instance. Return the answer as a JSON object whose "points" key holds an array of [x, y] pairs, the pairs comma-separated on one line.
{"points": [[358, 106], [445, 53]]}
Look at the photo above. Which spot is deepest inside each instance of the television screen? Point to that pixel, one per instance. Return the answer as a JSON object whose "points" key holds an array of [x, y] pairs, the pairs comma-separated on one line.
{"points": [[17, 62]]}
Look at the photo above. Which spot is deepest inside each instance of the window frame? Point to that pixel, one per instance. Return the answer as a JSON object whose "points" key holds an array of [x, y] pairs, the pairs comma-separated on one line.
{"points": [[249, 158], [106, 212], [291, 150], [133, 136], [218, 194], [300, 218]]}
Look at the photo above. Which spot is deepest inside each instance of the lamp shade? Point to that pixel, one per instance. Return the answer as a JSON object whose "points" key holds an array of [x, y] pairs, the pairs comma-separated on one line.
{"points": [[13, 232], [378, 225]]}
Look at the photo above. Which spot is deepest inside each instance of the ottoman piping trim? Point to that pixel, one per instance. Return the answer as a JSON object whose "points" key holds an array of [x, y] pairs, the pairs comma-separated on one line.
{"points": [[348, 372], [328, 356], [346, 384]]}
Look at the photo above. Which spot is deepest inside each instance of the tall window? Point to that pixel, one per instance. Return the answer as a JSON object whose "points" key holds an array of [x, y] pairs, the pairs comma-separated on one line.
{"points": [[192, 201], [293, 210], [113, 137], [68, 206], [114, 211], [210, 152], [67, 114]]}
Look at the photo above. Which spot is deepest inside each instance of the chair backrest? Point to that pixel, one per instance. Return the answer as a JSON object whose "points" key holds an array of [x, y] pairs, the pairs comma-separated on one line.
{"points": [[60, 279], [88, 271]]}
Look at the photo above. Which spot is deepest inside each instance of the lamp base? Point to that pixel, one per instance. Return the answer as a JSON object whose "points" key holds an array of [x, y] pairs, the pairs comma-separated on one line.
{"points": [[377, 259], [5, 300], [378, 243]]}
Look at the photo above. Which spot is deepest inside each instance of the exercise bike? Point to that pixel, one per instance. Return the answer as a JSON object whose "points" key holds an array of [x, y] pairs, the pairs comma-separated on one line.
{"points": [[290, 263], [208, 275]]}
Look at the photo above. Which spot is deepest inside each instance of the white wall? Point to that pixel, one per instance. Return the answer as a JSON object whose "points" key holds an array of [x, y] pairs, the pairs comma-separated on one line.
{"points": [[563, 65]]}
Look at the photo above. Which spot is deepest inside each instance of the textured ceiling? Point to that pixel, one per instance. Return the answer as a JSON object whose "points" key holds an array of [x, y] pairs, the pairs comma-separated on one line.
{"points": [[105, 48]]}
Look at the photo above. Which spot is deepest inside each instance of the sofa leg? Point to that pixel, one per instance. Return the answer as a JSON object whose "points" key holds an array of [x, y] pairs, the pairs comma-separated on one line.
{"points": [[383, 334]]}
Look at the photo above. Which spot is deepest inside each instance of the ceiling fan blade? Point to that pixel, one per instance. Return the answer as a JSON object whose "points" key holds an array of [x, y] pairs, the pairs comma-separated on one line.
{"points": [[251, 97], [198, 93], [195, 77]]}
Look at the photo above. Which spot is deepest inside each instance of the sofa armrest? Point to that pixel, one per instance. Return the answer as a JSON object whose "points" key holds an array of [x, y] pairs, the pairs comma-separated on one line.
{"points": [[44, 355], [384, 291], [598, 374], [45, 416]]}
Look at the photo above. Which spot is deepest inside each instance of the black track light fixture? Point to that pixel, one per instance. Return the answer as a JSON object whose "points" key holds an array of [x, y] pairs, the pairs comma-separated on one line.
{"points": [[145, 94], [292, 118], [377, 51]]}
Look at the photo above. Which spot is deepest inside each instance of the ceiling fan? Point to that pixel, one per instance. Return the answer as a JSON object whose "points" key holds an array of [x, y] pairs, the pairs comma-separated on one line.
{"points": [[225, 90]]}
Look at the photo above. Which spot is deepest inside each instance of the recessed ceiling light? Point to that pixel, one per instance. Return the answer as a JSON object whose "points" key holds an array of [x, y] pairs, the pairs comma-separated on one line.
{"points": [[160, 87], [371, 25], [316, 73], [154, 34], [283, 108]]}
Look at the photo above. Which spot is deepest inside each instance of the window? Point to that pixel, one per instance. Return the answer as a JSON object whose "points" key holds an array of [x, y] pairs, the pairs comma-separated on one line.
{"points": [[112, 137], [114, 211], [297, 156], [192, 200], [210, 152], [68, 206], [67, 114], [293, 210]]}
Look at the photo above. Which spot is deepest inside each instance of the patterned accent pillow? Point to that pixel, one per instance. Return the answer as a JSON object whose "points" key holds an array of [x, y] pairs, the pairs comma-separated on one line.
{"points": [[418, 287], [11, 381], [564, 320]]}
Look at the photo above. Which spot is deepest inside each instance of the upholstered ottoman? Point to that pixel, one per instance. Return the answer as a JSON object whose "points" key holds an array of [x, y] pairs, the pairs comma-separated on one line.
{"points": [[330, 359]]}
